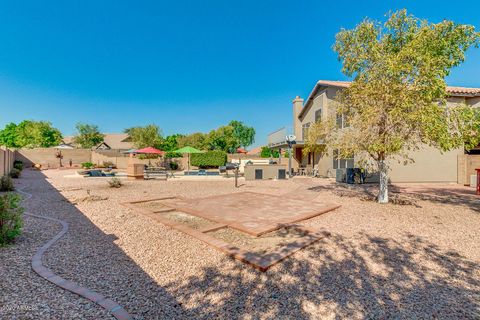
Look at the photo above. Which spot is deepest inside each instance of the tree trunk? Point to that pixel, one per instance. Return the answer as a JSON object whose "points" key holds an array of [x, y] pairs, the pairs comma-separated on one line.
{"points": [[383, 192]]}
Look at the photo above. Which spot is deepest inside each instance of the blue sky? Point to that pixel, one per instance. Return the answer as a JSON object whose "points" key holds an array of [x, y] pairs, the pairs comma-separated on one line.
{"points": [[186, 66]]}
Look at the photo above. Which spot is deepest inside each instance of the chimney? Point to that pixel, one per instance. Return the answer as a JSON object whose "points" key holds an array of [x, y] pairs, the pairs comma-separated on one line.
{"points": [[297, 124]]}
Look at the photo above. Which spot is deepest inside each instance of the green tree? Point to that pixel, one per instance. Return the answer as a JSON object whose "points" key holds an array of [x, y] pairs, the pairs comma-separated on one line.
{"points": [[88, 135], [196, 140], [397, 101], [245, 135], [36, 134], [223, 139], [8, 136], [170, 143], [266, 152], [147, 136]]}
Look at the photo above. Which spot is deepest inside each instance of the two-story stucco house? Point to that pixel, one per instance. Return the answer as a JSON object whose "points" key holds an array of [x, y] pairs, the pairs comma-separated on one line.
{"points": [[430, 164]]}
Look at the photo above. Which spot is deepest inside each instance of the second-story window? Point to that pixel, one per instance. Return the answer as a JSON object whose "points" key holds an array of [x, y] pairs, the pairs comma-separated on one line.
{"points": [[342, 121], [305, 128], [318, 115]]}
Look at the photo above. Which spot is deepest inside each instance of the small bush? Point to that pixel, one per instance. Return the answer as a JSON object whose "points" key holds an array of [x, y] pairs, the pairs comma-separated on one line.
{"points": [[170, 154], [115, 183], [268, 153], [17, 164], [87, 165], [15, 173], [10, 217], [6, 183], [145, 156], [209, 159], [108, 164], [173, 165]]}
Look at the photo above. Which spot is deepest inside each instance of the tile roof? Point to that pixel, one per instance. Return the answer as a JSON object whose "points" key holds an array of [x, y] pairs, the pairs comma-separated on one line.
{"points": [[450, 90], [464, 90], [113, 140], [255, 151]]}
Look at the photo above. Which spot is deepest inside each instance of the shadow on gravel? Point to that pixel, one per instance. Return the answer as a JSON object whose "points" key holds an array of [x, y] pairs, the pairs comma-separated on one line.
{"points": [[338, 277], [89, 257], [368, 277], [457, 196]]}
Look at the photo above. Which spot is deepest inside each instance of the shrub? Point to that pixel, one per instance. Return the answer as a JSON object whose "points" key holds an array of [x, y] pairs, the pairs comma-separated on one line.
{"points": [[173, 165], [87, 165], [115, 183], [17, 164], [209, 159], [108, 164], [170, 154], [10, 217], [15, 173], [145, 156], [268, 153], [6, 183]]}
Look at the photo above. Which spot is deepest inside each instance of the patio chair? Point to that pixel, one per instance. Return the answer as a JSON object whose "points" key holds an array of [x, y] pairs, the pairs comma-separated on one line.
{"points": [[155, 172], [308, 171], [315, 171]]}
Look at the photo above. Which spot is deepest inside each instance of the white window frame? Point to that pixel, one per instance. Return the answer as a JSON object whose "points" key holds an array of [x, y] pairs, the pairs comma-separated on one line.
{"points": [[342, 163]]}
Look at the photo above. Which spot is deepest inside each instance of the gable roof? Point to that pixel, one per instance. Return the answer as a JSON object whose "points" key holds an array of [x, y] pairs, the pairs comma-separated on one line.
{"points": [[117, 141], [451, 91], [255, 151], [111, 140]]}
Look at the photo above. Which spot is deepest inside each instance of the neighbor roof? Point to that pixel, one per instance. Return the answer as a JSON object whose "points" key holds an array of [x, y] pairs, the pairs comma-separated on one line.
{"points": [[112, 140], [117, 140], [255, 151], [452, 91]]}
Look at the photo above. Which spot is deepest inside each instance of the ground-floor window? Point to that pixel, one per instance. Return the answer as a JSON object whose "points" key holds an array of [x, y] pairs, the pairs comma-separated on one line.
{"points": [[341, 163]]}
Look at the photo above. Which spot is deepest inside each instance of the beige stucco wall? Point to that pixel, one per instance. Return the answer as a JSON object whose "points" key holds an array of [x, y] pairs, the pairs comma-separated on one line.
{"points": [[121, 160], [270, 171], [46, 156], [474, 102], [466, 167], [6, 161], [430, 166]]}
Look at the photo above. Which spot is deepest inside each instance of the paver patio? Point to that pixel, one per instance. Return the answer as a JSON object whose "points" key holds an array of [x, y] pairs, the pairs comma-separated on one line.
{"points": [[251, 212]]}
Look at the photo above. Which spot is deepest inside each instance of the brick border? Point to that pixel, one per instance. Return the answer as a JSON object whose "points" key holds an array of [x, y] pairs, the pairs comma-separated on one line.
{"points": [[240, 227], [37, 265], [258, 261]]}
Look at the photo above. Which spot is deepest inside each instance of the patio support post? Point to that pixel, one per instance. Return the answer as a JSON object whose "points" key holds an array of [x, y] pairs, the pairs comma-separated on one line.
{"points": [[289, 161]]}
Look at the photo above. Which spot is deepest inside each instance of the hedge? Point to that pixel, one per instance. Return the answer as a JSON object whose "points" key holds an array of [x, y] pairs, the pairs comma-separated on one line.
{"points": [[209, 159]]}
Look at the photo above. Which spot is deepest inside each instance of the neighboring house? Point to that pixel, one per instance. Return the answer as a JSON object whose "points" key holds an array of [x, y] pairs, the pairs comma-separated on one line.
{"points": [[111, 141], [118, 141], [430, 164], [255, 151]]}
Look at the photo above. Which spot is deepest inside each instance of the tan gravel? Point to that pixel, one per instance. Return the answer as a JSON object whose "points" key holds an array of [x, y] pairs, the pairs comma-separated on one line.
{"points": [[262, 244], [381, 261], [23, 294]]}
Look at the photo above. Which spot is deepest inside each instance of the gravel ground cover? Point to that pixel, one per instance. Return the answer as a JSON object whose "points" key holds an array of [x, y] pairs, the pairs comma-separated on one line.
{"points": [[188, 220], [262, 244], [23, 294], [152, 205], [381, 261]]}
